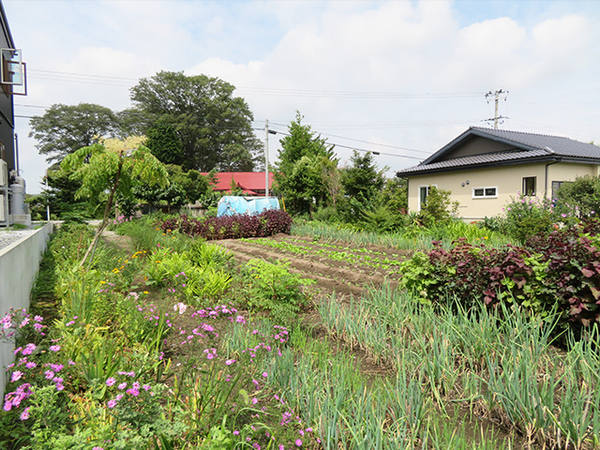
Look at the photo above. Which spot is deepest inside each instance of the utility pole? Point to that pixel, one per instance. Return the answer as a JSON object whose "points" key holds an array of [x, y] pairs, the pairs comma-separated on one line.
{"points": [[496, 95], [267, 132]]}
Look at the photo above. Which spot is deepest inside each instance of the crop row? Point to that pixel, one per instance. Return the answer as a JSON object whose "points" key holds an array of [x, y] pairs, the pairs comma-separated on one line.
{"points": [[366, 257]]}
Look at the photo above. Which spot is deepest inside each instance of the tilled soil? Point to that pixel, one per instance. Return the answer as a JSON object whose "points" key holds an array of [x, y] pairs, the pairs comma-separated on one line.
{"points": [[340, 268]]}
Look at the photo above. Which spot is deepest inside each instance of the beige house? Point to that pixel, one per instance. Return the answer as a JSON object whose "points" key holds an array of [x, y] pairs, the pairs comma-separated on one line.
{"points": [[484, 169]]}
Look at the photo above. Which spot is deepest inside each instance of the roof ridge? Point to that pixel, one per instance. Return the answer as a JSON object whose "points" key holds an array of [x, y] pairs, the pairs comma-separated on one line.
{"points": [[526, 132]]}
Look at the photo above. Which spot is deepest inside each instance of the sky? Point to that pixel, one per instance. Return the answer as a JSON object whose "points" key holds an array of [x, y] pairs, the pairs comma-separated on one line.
{"points": [[397, 78]]}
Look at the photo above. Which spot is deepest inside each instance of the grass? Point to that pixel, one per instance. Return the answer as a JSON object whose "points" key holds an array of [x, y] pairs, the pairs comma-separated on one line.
{"points": [[411, 239]]}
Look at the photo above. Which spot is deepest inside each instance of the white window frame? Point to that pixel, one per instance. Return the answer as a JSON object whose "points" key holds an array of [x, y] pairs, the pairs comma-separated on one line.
{"points": [[426, 186], [485, 188], [524, 191]]}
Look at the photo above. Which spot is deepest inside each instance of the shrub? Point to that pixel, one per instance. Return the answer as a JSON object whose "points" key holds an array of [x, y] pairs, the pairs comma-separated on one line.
{"points": [[438, 207], [273, 288], [572, 278], [556, 271], [267, 223], [526, 216], [583, 195]]}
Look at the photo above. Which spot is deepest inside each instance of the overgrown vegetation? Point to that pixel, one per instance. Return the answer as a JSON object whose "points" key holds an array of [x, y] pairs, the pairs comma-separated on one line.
{"points": [[146, 353]]}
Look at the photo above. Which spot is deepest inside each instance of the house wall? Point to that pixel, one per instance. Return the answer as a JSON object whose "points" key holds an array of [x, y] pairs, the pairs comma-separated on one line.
{"points": [[568, 172], [508, 182], [476, 146], [6, 101]]}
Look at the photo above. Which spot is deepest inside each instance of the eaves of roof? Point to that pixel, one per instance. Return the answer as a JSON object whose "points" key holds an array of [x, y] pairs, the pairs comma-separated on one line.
{"points": [[528, 148], [481, 161]]}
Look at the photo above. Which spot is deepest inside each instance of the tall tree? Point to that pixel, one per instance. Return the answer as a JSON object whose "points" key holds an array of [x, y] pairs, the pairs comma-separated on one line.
{"points": [[165, 145], [299, 172], [362, 179], [115, 166], [65, 128], [204, 113]]}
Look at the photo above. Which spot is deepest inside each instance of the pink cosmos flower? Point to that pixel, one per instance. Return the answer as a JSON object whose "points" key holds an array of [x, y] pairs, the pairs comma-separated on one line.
{"points": [[25, 414], [29, 348], [110, 381], [16, 375]]}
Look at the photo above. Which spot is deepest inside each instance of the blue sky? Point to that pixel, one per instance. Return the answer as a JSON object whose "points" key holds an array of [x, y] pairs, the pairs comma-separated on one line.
{"points": [[401, 78]]}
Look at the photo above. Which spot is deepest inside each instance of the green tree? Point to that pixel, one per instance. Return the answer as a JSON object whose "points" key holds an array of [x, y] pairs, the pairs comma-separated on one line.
{"points": [[438, 207], [163, 142], [193, 183], [332, 181], [64, 128], [115, 166], [204, 114], [298, 174], [362, 179], [60, 195]]}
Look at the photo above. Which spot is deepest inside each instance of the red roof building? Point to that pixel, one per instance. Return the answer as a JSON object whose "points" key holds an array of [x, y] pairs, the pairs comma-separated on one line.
{"points": [[251, 183]]}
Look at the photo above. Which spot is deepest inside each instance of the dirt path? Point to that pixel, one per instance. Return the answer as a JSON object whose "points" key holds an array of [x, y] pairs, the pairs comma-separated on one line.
{"points": [[342, 269]]}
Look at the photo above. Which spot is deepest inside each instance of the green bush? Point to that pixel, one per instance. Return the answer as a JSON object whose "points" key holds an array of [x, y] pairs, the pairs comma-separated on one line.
{"points": [[438, 207], [581, 196], [273, 288], [526, 216]]}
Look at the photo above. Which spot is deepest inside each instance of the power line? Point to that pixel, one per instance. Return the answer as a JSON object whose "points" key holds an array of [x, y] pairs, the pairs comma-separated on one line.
{"points": [[364, 150], [254, 90]]}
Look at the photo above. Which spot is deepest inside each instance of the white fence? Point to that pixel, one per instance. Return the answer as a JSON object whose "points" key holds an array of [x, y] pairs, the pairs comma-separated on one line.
{"points": [[19, 263]]}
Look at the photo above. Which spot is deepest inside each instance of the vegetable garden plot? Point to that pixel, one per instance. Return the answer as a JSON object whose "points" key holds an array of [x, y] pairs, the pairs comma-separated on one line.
{"points": [[340, 268]]}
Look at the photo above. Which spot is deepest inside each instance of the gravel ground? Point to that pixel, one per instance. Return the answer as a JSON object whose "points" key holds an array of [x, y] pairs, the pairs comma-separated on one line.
{"points": [[7, 237]]}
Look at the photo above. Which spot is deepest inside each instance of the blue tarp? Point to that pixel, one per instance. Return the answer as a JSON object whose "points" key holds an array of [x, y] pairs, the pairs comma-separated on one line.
{"points": [[230, 205]]}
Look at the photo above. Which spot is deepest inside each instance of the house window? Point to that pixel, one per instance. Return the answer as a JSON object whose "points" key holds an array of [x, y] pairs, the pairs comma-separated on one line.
{"points": [[485, 192], [529, 185], [555, 187], [423, 193]]}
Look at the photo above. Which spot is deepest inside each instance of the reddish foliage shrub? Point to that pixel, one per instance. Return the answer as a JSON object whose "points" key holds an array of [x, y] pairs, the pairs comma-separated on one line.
{"points": [[475, 272], [267, 223], [573, 274], [558, 271]]}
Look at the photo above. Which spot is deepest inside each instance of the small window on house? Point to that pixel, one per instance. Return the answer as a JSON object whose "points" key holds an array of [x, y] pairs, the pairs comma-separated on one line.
{"points": [[529, 185], [555, 187], [485, 192], [423, 193]]}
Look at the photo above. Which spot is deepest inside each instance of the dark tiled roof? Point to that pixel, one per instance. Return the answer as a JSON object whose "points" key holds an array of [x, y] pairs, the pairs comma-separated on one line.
{"points": [[561, 146], [528, 146], [487, 158]]}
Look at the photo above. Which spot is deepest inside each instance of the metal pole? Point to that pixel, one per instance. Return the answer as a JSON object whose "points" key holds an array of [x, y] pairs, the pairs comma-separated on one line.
{"points": [[266, 157], [47, 202], [17, 154]]}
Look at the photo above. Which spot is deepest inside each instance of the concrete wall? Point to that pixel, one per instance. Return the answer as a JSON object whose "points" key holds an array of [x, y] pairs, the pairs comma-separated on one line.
{"points": [[507, 180], [19, 263]]}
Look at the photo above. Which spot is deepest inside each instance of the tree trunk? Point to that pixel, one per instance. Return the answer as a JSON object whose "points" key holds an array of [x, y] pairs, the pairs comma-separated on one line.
{"points": [[92, 248]]}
